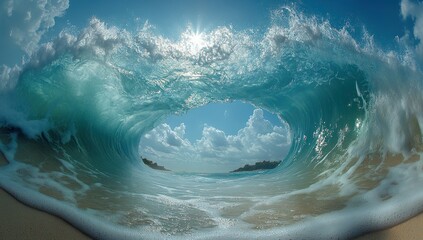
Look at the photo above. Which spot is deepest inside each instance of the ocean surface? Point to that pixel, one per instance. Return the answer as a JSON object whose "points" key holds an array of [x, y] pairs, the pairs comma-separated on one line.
{"points": [[72, 118]]}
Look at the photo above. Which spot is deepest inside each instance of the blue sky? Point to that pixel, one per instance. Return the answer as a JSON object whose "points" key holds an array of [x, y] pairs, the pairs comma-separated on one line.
{"points": [[228, 117], [382, 18], [172, 16]]}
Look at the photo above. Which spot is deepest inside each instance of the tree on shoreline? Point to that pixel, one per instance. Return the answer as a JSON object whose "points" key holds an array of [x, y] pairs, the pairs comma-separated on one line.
{"points": [[263, 165], [153, 165]]}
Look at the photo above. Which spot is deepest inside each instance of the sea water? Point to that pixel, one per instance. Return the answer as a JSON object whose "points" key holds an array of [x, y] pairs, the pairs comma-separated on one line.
{"points": [[73, 119]]}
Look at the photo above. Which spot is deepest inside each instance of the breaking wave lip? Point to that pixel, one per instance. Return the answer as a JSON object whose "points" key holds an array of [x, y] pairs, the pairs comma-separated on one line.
{"points": [[83, 101]]}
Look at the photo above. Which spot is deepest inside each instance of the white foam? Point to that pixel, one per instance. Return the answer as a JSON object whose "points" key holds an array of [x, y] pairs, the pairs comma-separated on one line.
{"points": [[12, 115]]}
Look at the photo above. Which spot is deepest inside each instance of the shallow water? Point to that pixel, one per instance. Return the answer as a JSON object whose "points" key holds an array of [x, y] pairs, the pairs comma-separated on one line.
{"points": [[72, 124]]}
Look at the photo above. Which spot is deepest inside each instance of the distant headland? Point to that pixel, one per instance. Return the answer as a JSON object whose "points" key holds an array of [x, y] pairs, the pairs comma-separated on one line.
{"points": [[153, 165], [264, 165]]}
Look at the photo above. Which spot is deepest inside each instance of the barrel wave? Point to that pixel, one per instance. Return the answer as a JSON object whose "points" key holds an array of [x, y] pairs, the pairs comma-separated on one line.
{"points": [[72, 124]]}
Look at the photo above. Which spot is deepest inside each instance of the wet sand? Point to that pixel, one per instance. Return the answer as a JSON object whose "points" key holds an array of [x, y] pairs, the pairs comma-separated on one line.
{"points": [[408, 230], [18, 221]]}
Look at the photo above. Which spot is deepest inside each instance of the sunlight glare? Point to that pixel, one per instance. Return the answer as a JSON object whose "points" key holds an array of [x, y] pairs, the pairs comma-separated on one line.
{"points": [[196, 42]]}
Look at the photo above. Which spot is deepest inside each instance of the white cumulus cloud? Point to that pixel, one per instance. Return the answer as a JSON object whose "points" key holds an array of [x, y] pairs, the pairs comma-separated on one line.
{"points": [[414, 10], [216, 151], [23, 22]]}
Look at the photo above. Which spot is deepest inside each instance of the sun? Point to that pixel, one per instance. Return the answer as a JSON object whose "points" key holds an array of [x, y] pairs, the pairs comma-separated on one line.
{"points": [[197, 39], [197, 42]]}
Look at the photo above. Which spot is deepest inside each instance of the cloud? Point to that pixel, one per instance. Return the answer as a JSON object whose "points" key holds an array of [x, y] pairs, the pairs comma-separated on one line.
{"points": [[8, 77], [414, 10], [165, 139], [215, 151], [213, 138], [22, 23]]}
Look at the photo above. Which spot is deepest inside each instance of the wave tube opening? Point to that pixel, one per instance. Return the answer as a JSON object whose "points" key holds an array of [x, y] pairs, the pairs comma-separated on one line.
{"points": [[217, 138]]}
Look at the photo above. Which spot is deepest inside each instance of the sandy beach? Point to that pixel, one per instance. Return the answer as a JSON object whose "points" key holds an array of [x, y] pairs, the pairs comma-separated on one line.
{"points": [[18, 221], [408, 230]]}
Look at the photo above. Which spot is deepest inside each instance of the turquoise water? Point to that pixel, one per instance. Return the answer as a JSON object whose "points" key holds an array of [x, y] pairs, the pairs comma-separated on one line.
{"points": [[72, 123]]}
